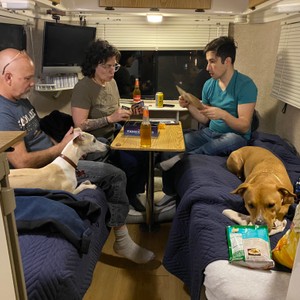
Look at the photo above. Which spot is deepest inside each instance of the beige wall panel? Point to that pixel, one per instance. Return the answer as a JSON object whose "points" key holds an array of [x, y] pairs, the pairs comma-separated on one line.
{"points": [[256, 57]]}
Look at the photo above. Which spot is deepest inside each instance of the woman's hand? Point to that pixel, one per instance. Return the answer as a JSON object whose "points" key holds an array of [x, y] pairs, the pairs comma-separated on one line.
{"points": [[119, 115]]}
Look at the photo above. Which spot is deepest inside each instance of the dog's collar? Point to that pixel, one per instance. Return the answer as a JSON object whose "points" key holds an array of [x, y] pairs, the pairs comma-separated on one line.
{"points": [[67, 159], [71, 162]]}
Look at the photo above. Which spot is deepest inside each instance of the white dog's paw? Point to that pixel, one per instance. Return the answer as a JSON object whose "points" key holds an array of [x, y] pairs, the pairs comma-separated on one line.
{"points": [[92, 186], [85, 185], [87, 182]]}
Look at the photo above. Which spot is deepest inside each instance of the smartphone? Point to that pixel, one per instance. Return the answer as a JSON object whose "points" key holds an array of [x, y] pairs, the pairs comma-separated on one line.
{"points": [[169, 105], [137, 105], [125, 107]]}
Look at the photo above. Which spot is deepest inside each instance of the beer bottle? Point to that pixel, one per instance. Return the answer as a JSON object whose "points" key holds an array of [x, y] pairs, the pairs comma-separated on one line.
{"points": [[136, 92], [145, 129]]}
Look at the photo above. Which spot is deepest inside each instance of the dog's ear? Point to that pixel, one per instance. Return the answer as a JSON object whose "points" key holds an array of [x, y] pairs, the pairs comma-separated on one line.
{"points": [[240, 189], [77, 129], [78, 137], [76, 132], [287, 196]]}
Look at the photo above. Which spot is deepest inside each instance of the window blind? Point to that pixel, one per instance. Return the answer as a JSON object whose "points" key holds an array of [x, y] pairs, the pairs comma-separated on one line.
{"points": [[286, 85], [161, 36]]}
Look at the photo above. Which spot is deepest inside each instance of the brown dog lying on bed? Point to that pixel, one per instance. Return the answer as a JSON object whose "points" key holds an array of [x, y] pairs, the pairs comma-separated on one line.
{"points": [[267, 190]]}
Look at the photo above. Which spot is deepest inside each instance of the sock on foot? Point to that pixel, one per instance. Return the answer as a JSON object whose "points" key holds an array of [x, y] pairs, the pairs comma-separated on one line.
{"points": [[126, 247], [169, 163]]}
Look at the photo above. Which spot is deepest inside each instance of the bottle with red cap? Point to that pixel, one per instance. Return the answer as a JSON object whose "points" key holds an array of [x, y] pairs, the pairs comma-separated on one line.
{"points": [[136, 92]]}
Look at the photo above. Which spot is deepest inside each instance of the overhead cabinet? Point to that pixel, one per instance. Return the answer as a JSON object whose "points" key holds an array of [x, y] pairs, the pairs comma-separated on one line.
{"points": [[176, 4]]}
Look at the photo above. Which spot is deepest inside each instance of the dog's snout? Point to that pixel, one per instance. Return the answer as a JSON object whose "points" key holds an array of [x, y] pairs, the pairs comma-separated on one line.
{"points": [[260, 222]]}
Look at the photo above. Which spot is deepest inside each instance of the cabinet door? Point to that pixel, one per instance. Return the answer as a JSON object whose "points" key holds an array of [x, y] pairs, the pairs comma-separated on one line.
{"points": [[179, 4]]}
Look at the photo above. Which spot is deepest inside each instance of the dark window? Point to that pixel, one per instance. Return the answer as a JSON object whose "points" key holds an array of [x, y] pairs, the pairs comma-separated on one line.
{"points": [[161, 71]]}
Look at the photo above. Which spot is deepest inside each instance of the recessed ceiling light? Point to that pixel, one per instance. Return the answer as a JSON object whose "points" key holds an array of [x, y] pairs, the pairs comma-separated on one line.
{"points": [[154, 18]]}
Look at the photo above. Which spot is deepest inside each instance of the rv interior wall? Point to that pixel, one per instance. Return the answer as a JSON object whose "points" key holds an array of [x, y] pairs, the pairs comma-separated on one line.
{"points": [[256, 57], [253, 60]]}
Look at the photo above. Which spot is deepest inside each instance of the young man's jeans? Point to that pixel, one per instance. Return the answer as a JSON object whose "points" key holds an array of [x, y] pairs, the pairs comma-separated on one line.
{"points": [[112, 181], [205, 141]]}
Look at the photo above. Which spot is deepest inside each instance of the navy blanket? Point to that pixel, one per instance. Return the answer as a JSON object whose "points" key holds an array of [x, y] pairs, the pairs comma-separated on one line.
{"points": [[54, 268], [203, 183], [56, 211]]}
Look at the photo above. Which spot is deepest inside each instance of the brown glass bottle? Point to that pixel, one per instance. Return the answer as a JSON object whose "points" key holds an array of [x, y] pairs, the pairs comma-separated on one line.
{"points": [[145, 129], [136, 92]]}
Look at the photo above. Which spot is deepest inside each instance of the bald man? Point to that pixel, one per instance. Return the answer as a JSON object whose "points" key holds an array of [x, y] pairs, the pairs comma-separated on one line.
{"points": [[16, 80], [37, 149]]}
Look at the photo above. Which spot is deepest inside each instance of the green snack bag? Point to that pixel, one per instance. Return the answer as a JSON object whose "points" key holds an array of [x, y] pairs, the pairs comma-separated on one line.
{"points": [[249, 246]]}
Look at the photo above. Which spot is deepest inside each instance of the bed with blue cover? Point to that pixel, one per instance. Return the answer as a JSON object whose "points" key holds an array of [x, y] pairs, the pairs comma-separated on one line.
{"points": [[61, 236], [197, 238]]}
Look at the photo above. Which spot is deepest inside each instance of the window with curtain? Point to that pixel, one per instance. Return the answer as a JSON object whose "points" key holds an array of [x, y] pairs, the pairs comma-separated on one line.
{"points": [[286, 85], [165, 36], [165, 53]]}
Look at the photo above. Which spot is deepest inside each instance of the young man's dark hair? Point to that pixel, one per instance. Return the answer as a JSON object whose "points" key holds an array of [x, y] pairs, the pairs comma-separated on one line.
{"points": [[224, 47]]}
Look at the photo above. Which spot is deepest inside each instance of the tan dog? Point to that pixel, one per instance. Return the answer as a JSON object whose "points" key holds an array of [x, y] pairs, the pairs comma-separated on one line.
{"points": [[61, 173], [267, 190]]}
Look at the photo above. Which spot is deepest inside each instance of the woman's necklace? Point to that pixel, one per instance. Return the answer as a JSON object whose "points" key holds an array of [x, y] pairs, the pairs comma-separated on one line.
{"points": [[98, 82]]}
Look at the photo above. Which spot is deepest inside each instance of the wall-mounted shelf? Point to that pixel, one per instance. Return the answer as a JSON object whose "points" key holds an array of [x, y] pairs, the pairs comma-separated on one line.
{"points": [[43, 87], [57, 83]]}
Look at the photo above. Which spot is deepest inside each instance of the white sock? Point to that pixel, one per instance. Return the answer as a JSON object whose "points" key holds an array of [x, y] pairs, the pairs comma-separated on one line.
{"points": [[126, 247], [169, 163]]}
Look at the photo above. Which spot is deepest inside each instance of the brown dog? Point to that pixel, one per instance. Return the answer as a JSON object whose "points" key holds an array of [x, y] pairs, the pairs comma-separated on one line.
{"points": [[267, 190]]}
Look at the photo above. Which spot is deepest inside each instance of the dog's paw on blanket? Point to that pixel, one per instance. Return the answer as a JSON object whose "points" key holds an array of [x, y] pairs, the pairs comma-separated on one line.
{"points": [[242, 219]]}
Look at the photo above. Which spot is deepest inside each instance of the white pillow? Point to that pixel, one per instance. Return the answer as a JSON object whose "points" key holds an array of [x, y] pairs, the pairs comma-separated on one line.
{"points": [[224, 281]]}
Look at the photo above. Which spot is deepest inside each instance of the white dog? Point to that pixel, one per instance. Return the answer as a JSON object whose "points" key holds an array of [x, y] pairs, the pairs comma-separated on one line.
{"points": [[61, 173]]}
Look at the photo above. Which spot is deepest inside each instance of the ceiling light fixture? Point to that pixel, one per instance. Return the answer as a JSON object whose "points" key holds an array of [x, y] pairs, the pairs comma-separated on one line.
{"points": [[18, 4], [154, 18]]}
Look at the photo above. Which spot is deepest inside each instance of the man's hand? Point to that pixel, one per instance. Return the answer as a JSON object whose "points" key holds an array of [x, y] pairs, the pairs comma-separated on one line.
{"points": [[67, 138], [213, 113], [183, 102]]}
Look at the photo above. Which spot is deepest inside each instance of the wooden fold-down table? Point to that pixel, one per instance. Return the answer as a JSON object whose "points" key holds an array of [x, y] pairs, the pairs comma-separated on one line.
{"points": [[11, 263], [170, 139]]}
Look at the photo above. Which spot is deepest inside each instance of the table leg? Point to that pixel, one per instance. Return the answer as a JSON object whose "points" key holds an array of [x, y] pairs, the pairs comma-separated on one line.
{"points": [[150, 225]]}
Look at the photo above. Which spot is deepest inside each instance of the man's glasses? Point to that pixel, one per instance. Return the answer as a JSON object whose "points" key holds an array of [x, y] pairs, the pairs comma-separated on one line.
{"points": [[13, 59], [108, 66]]}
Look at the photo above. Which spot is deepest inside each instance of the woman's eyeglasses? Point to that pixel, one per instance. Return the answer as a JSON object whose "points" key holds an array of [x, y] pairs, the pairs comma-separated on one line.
{"points": [[13, 59], [108, 66]]}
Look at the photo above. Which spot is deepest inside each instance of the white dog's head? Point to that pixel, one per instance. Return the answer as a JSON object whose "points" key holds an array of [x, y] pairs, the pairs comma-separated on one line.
{"points": [[87, 143]]}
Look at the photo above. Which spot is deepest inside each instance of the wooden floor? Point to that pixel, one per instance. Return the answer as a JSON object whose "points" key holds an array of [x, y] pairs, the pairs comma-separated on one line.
{"points": [[116, 278]]}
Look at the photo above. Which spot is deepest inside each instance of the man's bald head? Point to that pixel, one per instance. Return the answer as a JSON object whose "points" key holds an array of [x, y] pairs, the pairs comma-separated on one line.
{"points": [[10, 59], [16, 73]]}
